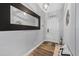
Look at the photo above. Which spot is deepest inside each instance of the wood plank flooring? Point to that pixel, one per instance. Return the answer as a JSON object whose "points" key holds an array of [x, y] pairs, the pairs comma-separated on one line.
{"points": [[45, 49]]}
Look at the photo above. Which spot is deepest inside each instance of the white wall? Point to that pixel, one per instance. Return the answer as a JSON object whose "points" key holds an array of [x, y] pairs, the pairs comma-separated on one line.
{"points": [[69, 31], [77, 29], [20, 42], [61, 22], [16, 42]]}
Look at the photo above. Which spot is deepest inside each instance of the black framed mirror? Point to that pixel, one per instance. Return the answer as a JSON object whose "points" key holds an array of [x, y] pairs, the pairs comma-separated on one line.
{"points": [[16, 16]]}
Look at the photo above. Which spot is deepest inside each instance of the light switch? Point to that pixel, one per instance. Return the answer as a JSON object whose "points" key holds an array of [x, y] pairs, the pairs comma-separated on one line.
{"points": [[47, 30]]}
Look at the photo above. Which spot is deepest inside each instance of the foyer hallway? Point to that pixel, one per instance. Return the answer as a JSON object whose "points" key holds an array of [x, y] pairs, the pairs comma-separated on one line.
{"points": [[28, 29]]}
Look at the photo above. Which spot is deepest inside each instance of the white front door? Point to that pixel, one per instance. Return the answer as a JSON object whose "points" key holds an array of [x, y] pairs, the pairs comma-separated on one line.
{"points": [[52, 28]]}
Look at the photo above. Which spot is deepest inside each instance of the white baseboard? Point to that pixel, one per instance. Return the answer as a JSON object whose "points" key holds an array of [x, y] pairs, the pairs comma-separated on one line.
{"points": [[52, 41], [26, 54], [70, 51]]}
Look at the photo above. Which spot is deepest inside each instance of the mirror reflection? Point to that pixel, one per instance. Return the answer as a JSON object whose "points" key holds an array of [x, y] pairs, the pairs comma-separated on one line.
{"points": [[22, 18]]}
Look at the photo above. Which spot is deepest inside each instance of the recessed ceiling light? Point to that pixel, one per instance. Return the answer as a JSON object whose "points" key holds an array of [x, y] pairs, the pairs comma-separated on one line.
{"points": [[45, 6]]}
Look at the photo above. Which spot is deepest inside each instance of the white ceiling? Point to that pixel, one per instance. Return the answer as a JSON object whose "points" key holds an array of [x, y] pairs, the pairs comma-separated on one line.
{"points": [[52, 7]]}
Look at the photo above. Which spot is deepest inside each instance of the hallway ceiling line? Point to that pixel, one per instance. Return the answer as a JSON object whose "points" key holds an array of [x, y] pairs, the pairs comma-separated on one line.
{"points": [[50, 7]]}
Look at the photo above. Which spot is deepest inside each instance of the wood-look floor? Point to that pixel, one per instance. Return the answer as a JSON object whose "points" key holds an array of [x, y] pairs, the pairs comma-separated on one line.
{"points": [[45, 49]]}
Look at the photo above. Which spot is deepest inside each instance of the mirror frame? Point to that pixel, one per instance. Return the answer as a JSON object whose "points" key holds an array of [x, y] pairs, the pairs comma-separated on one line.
{"points": [[5, 24]]}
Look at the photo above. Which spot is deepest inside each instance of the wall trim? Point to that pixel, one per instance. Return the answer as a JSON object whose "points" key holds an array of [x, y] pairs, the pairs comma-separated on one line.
{"points": [[69, 50], [27, 54], [52, 40]]}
